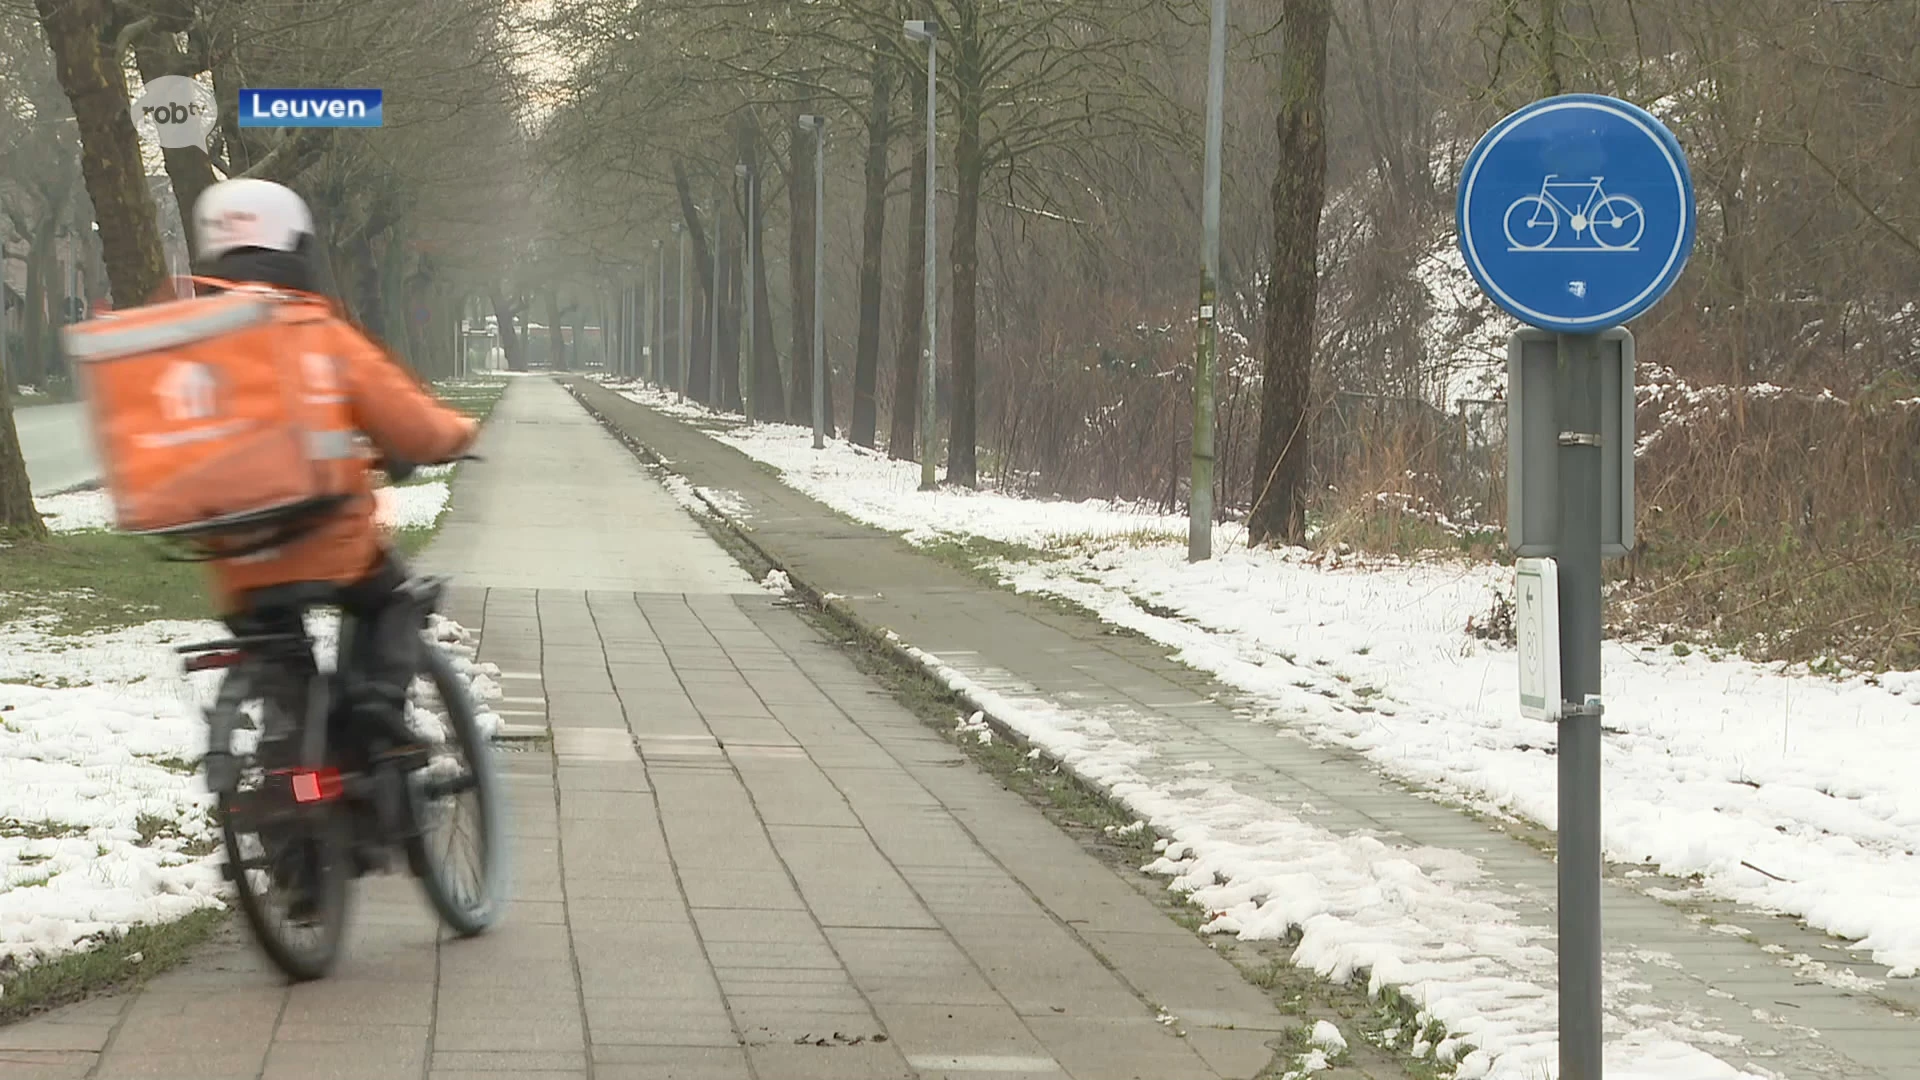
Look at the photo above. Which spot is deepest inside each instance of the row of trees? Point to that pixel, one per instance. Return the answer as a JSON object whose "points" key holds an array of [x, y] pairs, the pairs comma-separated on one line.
{"points": [[413, 220], [1068, 142], [533, 164]]}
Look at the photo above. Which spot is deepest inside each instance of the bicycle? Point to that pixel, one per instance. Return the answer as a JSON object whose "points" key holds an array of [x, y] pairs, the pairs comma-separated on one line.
{"points": [[299, 821], [1597, 212]]}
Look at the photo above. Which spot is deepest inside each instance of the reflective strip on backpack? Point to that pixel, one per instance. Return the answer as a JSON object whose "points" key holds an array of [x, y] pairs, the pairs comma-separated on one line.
{"points": [[331, 446], [99, 340]]}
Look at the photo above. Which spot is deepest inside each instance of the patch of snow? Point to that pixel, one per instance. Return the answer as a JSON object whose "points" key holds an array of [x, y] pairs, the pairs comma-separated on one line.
{"points": [[413, 506], [777, 582], [1327, 1037], [76, 511]]}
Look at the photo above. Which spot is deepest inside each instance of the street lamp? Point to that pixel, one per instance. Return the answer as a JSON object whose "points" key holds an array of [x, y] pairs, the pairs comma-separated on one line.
{"points": [[680, 321], [818, 125], [928, 31], [657, 313], [1207, 340], [747, 356]]}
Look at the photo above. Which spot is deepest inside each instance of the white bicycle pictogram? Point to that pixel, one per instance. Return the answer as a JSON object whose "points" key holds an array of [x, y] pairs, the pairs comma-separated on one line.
{"points": [[1610, 222]]}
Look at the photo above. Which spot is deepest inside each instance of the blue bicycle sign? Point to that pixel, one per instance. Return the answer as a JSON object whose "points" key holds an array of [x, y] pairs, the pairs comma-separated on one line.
{"points": [[1610, 222], [1575, 213]]}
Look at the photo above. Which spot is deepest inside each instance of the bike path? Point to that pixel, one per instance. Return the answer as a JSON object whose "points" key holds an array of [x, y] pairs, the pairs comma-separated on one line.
{"points": [[1662, 962], [735, 857]]}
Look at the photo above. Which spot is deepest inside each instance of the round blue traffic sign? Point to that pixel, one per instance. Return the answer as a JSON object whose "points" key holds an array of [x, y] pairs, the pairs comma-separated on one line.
{"points": [[1576, 213]]}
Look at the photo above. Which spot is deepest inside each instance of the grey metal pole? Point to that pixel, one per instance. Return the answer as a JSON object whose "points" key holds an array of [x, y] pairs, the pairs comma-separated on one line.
{"points": [[819, 125], [929, 403], [1207, 338], [1578, 409], [713, 310], [658, 365], [747, 358], [682, 315]]}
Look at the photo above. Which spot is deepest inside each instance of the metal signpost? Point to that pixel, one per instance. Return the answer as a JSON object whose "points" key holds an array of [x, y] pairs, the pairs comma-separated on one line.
{"points": [[818, 125], [928, 30], [1575, 214], [747, 357]]}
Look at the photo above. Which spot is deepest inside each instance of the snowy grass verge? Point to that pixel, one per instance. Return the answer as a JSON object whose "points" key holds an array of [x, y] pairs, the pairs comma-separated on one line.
{"points": [[1381, 911], [1773, 787]]}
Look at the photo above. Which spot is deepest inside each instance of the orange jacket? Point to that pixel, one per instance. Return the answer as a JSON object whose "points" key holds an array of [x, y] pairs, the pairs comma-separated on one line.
{"points": [[404, 421]]}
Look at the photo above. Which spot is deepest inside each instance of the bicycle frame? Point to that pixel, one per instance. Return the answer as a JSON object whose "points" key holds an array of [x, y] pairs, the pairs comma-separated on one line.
{"points": [[1595, 195]]}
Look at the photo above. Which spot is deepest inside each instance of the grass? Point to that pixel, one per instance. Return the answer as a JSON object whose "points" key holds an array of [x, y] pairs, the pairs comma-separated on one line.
{"points": [[475, 397], [115, 962], [77, 583]]}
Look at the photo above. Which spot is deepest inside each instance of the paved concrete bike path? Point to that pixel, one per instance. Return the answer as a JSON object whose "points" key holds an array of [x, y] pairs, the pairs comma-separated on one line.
{"points": [[737, 857]]}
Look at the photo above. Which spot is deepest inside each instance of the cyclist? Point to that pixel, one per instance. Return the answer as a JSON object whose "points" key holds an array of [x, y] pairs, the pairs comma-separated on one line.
{"points": [[255, 231]]}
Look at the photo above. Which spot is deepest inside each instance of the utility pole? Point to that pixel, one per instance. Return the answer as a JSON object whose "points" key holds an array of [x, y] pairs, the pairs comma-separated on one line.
{"points": [[1207, 338], [658, 366], [818, 124], [748, 361], [928, 31], [681, 312]]}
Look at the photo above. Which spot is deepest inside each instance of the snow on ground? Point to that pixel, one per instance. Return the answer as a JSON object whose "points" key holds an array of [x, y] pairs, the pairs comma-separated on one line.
{"points": [[103, 820], [1424, 920], [76, 511], [1782, 791], [413, 506]]}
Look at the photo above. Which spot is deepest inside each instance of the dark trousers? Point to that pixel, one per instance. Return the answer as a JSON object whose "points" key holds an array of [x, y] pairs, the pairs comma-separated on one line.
{"points": [[379, 656]]}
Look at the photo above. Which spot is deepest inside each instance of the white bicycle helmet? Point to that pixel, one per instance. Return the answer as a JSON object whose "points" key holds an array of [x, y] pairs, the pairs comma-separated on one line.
{"points": [[248, 213]]}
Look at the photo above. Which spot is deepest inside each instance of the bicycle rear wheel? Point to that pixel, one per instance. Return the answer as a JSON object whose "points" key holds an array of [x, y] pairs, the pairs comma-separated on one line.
{"points": [[459, 850], [288, 862]]}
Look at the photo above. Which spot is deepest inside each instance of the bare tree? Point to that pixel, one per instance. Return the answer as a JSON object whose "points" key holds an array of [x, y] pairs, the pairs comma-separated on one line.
{"points": [[1299, 194]]}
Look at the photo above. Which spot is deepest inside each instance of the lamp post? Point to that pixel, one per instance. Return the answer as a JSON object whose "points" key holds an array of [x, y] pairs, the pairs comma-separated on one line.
{"points": [[748, 360], [1207, 340], [928, 31], [656, 366], [681, 313], [818, 125]]}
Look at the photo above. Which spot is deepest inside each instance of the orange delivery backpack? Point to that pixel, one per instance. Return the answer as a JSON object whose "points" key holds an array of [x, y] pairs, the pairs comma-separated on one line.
{"points": [[220, 419]]}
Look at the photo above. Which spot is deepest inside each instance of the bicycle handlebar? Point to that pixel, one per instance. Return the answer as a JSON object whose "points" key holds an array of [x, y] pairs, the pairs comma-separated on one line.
{"points": [[399, 470]]}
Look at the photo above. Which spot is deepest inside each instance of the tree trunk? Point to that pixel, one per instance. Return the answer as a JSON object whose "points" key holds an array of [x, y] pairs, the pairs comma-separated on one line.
{"points": [[556, 337], [96, 86], [962, 435], [867, 352], [702, 292], [578, 360], [731, 314], [35, 330], [800, 268], [901, 444], [509, 340], [19, 518], [1299, 191], [769, 395]]}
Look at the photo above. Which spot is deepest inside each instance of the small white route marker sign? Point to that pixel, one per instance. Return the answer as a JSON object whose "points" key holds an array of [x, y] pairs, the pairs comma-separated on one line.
{"points": [[1536, 627]]}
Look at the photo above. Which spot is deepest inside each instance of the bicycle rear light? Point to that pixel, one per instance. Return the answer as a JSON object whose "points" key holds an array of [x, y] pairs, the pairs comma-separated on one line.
{"points": [[315, 785]]}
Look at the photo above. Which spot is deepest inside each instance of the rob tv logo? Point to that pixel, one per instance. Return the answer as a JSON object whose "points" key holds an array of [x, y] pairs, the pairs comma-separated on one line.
{"points": [[176, 112]]}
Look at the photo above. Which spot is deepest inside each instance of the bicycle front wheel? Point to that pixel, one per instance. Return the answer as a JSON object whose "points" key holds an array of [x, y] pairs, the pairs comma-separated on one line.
{"points": [[459, 850]]}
